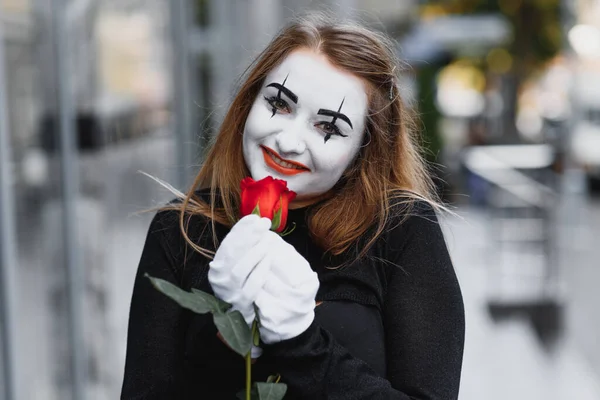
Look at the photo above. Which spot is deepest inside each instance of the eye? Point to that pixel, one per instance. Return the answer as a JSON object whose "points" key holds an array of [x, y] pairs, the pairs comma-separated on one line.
{"points": [[278, 104], [329, 128]]}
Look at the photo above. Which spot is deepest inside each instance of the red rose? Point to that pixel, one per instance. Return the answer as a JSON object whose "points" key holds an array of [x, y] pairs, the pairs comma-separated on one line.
{"points": [[268, 198]]}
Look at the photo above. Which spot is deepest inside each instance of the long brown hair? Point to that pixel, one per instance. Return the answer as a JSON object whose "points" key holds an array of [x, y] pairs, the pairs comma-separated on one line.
{"points": [[388, 170]]}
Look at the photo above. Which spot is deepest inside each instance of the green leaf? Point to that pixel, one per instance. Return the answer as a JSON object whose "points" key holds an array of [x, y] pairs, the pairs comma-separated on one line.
{"points": [[235, 331], [287, 231], [219, 306], [192, 301], [264, 391], [256, 210], [277, 217], [271, 391]]}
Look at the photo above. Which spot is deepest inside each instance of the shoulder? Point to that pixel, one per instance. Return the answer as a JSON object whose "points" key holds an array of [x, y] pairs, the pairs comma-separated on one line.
{"points": [[411, 212], [168, 216], [413, 224], [169, 225]]}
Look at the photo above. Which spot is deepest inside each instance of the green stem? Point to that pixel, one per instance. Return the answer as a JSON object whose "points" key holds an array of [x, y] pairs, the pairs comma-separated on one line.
{"points": [[249, 363], [248, 374]]}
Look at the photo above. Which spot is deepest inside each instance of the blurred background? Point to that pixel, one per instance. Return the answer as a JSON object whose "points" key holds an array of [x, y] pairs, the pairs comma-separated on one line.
{"points": [[94, 91]]}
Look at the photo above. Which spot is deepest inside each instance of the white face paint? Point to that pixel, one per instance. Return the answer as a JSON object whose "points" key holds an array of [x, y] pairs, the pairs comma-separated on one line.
{"points": [[306, 125]]}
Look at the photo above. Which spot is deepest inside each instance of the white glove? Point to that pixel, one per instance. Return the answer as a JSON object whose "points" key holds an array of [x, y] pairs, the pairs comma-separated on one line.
{"points": [[238, 270], [286, 303]]}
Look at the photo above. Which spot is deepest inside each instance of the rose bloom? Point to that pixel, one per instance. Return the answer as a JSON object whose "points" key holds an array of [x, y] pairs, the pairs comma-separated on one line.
{"points": [[267, 197]]}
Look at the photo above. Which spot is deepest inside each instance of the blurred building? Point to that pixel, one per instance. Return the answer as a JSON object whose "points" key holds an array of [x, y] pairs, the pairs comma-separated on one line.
{"points": [[584, 39]]}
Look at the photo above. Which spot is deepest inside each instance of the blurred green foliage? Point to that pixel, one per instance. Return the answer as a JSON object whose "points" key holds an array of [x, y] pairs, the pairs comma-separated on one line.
{"points": [[536, 26], [537, 36]]}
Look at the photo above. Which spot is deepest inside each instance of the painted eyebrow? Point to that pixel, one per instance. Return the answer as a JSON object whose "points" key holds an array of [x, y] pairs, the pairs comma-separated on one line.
{"points": [[336, 114], [285, 90]]}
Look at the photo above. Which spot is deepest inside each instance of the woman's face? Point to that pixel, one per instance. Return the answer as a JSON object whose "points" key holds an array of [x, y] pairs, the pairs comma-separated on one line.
{"points": [[306, 124]]}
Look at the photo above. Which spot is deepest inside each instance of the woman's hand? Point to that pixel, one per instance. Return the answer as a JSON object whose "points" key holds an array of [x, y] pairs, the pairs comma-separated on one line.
{"points": [[254, 265], [240, 269], [286, 302]]}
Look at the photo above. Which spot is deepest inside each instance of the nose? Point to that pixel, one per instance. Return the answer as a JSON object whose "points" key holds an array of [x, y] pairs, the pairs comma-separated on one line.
{"points": [[290, 142]]}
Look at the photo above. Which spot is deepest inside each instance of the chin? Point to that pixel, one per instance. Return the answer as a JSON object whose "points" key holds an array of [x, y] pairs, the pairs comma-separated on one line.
{"points": [[302, 193], [257, 175], [296, 183]]}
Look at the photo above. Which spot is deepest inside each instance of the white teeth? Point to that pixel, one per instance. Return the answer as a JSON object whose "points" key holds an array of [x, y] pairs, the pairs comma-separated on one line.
{"points": [[284, 164]]}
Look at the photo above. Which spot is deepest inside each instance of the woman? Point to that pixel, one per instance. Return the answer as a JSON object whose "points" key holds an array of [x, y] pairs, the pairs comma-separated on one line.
{"points": [[361, 300]]}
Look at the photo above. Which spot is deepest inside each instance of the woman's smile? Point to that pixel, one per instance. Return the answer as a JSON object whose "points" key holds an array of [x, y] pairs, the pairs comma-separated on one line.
{"points": [[285, 167]]}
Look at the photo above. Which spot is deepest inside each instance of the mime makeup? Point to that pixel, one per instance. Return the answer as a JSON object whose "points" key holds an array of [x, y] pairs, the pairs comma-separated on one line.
{"points": [[306, 124], [335, 114], [281, 88]]}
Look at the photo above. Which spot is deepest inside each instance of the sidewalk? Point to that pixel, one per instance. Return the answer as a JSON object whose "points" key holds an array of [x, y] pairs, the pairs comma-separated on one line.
{"points": [[504, 360]]}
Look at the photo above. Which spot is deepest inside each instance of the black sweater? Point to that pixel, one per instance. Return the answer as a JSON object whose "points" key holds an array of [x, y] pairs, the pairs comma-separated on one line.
{"points": [[391, 326]]}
